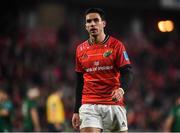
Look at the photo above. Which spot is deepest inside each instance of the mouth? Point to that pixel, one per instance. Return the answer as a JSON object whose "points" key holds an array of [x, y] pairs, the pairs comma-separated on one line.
{"points": [[93, 30]]}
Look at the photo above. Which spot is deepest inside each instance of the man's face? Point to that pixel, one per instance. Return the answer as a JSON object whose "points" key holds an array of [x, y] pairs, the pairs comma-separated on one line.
{"points": [[178, 101], [94, 24], [3, 96]]}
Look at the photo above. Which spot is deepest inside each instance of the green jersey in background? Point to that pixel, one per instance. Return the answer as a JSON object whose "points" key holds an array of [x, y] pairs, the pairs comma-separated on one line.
{"points": [[26, 110], [175, 112]]}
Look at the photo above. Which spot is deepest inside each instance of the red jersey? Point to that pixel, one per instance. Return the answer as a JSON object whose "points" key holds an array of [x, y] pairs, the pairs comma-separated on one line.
{"points": [[100, 65]]}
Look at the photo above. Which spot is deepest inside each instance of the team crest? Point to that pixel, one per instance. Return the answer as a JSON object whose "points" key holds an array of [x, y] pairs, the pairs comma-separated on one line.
{"points": [[96, 63], [107, 53]]}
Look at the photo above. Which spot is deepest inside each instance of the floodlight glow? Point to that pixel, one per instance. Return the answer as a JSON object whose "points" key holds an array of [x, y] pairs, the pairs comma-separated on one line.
{"points": [[161, 26], [166, 26], [169, 25]]}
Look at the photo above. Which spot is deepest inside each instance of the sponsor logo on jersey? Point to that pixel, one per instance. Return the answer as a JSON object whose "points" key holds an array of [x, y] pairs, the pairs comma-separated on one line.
{"points": [[98, 68], [125, 55], [107, 53]]}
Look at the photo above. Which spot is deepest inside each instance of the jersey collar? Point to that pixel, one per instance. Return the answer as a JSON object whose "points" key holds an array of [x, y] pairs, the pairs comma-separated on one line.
{"points": [[103, 42]]}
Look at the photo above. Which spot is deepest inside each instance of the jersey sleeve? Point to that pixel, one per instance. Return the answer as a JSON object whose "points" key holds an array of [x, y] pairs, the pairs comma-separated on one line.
{"points": [[172, 111], [122, 58], [78, 66], [32, 104]]}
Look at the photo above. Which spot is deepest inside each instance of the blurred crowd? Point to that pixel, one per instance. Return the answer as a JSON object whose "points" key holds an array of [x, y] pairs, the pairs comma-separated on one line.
{"points": [[156, 83], [44, 54]]}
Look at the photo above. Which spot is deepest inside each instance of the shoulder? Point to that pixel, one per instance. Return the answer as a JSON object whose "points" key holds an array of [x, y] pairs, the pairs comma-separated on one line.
{"points": [[52, 98], [81, 47], [115, 42], [49, 98]]}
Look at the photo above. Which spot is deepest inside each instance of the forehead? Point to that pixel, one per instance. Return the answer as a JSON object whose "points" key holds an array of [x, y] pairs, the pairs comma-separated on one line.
{"points": [[92, 16]]}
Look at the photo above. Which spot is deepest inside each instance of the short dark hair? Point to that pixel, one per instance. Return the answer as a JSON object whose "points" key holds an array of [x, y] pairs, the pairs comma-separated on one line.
{"points": [[96, 10], [3, 90]]}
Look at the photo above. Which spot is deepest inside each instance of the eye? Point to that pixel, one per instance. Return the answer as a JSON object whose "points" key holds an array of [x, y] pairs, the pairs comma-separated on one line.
{"points": [[96, 20], [88, 21]]}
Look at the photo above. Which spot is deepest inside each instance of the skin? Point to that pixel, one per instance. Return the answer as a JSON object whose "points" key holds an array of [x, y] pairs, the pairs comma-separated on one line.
{"points": [[95, 28], [35, 119], [3, 98], [170, 119], [34, 114]]}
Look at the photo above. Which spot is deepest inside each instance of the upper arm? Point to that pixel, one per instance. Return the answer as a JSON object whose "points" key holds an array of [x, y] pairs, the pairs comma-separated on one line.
{"points": [[33, 112], [122, 58], [168, 123], [78, 65]]}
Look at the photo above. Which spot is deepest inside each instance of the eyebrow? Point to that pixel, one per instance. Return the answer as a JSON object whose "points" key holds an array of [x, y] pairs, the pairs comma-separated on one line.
{"points": [[89, 20]]}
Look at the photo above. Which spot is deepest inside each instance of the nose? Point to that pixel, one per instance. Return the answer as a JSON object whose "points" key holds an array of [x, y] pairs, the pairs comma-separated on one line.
{"points": [[93, 23]]}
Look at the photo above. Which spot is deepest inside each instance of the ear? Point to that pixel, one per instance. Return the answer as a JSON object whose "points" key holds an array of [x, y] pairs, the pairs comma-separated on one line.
{"points": [[104, 23], [86, 27]]}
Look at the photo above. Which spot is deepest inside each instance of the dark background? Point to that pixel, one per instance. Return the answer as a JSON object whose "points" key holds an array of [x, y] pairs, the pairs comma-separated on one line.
{"points": [[38, 41]]}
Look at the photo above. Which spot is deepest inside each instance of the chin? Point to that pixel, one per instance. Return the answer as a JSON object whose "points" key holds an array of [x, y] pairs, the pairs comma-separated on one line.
{"points": [[94, 34]]}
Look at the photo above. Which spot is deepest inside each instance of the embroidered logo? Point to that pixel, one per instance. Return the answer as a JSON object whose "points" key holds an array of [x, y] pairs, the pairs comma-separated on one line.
{"points": [[107, 53], [96, 63]]}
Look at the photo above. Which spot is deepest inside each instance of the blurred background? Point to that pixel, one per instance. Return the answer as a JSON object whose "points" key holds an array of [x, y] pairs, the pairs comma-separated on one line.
{"points": [[37, 47]]}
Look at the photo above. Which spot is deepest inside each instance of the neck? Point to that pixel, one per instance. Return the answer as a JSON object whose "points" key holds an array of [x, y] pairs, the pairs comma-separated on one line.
{"points": [[97, 39]]}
